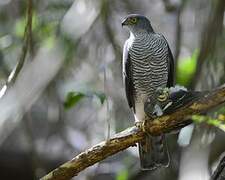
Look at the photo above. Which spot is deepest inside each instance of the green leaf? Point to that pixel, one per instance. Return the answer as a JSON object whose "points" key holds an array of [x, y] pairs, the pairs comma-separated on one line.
{"points": [[72, 99], [122, 175], [101, 96], [186, 69]]}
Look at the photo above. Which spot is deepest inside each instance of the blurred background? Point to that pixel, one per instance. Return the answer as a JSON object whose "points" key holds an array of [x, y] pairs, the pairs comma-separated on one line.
{"points": [[62, 92]]}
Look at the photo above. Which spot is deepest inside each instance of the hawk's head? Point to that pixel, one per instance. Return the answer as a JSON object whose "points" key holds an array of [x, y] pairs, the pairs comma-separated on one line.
{"points": [[137, 23]]}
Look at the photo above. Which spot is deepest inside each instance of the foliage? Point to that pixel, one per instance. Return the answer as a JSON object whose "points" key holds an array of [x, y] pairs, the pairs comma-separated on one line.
{"points": [[74, 97], [217, 122], [186, 69], [122, 175]]}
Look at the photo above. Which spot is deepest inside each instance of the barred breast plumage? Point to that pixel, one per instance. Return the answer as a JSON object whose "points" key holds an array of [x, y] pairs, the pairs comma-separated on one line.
{"points": [[149, 59]]}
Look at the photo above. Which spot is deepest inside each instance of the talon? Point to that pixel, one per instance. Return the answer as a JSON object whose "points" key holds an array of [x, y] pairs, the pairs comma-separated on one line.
{"points": [[140, 125], [163, 97]]}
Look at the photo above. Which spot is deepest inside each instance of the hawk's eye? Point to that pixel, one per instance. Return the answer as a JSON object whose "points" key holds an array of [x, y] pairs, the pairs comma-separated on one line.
{"points": [[133, 20]]}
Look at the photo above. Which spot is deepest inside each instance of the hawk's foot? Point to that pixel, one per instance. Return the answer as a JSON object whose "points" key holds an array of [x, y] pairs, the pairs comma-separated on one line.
{"points": [[141, 125]]}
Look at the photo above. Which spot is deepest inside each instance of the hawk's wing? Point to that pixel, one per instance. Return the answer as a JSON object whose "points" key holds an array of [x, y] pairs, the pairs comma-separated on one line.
{"points": [[127, 77], [170, 81]]}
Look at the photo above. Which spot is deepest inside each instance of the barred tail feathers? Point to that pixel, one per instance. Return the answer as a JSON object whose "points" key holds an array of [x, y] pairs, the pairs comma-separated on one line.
{"points": [[153, 153]]}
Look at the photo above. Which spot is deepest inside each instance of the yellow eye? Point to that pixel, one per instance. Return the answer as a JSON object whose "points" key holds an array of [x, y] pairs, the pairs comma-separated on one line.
{"points": [[133, 20]]}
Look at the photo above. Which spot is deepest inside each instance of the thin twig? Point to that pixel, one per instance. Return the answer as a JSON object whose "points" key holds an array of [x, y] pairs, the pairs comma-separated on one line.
{"points": [[178, 39], [26, 45], [105, 13], [107, 103], [129, 137], [178, 9], [27, 40]]}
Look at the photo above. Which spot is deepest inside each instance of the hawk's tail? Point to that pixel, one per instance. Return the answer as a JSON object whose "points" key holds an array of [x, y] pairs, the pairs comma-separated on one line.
{"points": [[153, 153]]}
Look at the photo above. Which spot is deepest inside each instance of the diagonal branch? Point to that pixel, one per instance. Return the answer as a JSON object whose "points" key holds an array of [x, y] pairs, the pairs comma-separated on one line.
{"points": [[130, 136], [26, 45], [219, 173]]}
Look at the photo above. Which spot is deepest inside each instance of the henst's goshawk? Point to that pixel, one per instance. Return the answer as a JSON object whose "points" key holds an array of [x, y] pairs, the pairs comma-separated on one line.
{"points": [[147, 65]]}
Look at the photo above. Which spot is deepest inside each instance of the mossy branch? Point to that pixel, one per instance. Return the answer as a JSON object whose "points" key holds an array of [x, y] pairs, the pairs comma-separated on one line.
{"points": [[131, 136]]}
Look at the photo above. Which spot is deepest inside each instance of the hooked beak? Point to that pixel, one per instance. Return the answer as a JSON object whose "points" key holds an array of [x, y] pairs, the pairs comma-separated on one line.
{"points": [[124, 22]]}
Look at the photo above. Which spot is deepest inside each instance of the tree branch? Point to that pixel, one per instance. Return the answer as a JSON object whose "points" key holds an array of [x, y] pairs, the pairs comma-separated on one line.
{"points": [[219, 173], [130, 136], [26, 45]]}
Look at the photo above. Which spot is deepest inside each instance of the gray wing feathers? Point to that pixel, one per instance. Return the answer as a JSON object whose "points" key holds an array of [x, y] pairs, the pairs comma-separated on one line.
{"points": [[170, 81], [127, 77]]}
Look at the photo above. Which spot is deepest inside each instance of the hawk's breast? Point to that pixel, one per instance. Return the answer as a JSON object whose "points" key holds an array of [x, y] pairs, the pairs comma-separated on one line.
{"points": [[149, 66]]}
